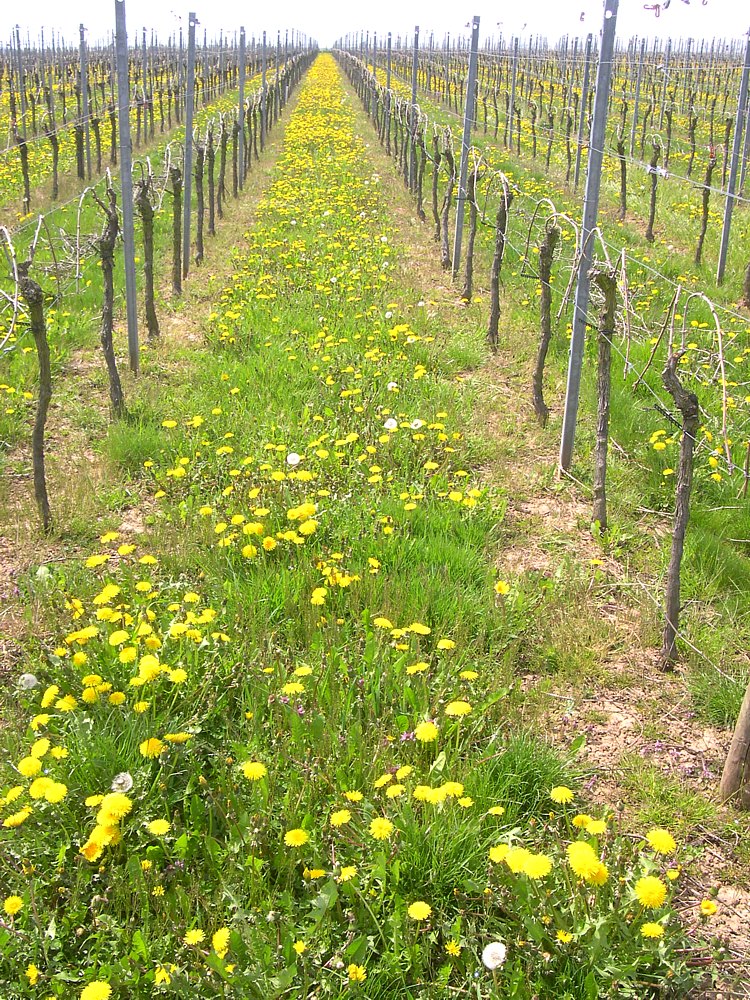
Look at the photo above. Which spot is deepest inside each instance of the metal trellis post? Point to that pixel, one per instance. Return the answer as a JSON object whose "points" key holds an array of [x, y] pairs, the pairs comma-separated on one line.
{"points": [[241, 136], [582, 116], [413, 112], [263, 96], [187, 173], [733, 165], [85, 99], [144, 75], [745, 149], [511, 106], [465, 143], [637, 97], [126, 180], [590, 214], [277, 72], [667, 55]]}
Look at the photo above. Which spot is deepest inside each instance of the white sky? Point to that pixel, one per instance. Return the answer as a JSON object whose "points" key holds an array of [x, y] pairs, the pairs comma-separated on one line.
{"points": [[327, 21]]}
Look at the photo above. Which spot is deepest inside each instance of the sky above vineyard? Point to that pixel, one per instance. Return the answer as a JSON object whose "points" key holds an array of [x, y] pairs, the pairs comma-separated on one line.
{"points": [[327, 21]]}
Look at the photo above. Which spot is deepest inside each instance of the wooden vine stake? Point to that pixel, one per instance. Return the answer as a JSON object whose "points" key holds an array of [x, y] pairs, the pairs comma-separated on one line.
{"points": [[687, 403], [420, 173], [623, 178], [210, 161], [175, 176], [436, 158], [653, 171], [142, 201], [445, 250], [200, 214], [34, 299], [735, 778], [546, 255], [221, 191], [471, 197], [106, 246], [705, 200], [501, 228], [605, 277]]}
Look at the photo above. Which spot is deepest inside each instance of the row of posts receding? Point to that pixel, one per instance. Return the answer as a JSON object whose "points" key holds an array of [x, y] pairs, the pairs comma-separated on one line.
{"points": [[703, 57]]}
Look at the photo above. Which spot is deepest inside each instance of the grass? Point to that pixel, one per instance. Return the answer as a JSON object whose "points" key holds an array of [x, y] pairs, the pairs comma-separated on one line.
{"points": [[663, 799], [718, 698], [640, 485], [306, 671]]}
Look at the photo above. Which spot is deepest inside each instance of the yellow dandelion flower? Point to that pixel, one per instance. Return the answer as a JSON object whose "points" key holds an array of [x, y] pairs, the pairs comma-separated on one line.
{"points": [[17, 818], [561, 794], [381, 828], [596, 827], [418, 628], [652, 930], [661, 841], [650, 892], [29, 766], [426, 732], [254, 770], [96, 990], [356, 973], [457, 708], [537, 866], [220, 941], [13, 905], [152, 747], [296, 838]]}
